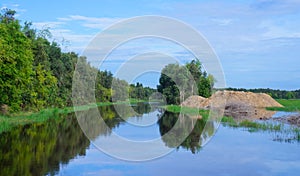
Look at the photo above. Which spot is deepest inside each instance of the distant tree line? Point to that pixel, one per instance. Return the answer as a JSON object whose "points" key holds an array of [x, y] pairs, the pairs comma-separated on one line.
{"points": [[138, 91], [277, 94], [35, 73]]}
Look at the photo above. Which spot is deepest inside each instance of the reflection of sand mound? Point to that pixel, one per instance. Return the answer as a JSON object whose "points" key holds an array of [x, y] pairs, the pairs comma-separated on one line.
{"points": [[236, 104]]}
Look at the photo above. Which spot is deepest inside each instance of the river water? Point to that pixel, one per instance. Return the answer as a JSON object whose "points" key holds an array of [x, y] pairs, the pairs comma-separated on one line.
{"points": [[59, 147]]}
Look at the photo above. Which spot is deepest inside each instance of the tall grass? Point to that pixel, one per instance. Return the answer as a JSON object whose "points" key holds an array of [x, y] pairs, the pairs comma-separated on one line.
{"points": [[252, 125], [10, 121]]}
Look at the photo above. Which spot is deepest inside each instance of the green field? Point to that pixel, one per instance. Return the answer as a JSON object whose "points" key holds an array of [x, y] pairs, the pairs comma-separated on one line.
{"points": [[289, 105]]}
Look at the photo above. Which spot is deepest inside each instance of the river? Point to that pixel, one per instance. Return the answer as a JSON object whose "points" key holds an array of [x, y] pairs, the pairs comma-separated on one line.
{"points": [[59, 147]]}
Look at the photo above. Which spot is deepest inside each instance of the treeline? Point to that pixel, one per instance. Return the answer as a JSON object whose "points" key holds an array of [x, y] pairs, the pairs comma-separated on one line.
{"points": [[277, 94], [35, 73], [138, 91]]}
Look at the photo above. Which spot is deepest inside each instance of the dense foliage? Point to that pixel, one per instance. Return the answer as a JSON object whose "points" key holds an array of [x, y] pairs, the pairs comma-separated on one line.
{"points": [[139, 92], [178, 82], [277, 94], [35, 73]]}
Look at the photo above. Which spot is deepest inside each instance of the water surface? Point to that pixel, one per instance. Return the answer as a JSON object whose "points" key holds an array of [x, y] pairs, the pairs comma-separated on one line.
{"points": [[59, 147]]}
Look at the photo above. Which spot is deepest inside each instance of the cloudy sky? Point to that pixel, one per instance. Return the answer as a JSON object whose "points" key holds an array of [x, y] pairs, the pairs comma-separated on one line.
{"points": [[257, 41]]}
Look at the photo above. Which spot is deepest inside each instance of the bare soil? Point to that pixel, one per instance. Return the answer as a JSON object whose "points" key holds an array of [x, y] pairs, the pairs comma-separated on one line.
{"points": [[237, 104]]}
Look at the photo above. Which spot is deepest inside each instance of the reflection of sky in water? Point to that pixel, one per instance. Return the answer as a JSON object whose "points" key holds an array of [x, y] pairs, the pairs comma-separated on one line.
{"points": [[147, 119], [140, 128], [284, 114], [230, 152]]}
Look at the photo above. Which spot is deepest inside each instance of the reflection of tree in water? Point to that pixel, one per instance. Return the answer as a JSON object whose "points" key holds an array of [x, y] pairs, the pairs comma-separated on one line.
{"points": [[39, 149], [141, 108], [94, 126], [192, 128]]}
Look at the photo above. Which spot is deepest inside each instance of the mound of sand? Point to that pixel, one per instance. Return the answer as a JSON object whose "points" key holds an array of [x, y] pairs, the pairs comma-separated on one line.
{"points": [[237, 104], [256, 100], [194, 101]]}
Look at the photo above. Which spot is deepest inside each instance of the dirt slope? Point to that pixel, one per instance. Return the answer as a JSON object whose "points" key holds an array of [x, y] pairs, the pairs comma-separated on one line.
{"points": [[236, 103], [194, 101], [257, 100]]}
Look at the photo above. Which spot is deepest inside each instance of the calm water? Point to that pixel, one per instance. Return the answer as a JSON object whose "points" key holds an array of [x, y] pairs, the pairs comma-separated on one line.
{"points": [[59, 147]]}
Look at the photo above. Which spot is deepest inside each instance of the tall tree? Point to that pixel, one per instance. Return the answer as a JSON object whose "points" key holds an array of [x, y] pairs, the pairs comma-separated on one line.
{"points": [[177, 82], [16, 60]]}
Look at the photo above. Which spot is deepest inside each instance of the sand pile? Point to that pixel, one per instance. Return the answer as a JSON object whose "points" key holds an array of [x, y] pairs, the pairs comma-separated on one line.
{"points": [[194, 101], [256, 100], [237, 104]]}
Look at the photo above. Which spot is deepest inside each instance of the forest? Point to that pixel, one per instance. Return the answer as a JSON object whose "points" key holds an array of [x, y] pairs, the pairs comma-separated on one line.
{"points": [[37, 74]]}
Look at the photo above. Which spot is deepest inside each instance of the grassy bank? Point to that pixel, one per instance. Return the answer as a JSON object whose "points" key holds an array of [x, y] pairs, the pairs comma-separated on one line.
{"points": [[229, 121], [289, 105], [7, 122], [281, 132], [187, 110], [250, 125]]}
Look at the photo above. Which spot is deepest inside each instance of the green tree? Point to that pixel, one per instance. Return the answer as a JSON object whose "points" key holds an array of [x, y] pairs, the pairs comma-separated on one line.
{"points": [[120, 90], [177, 82], [16, 60], [204, 86], [290, 95]]}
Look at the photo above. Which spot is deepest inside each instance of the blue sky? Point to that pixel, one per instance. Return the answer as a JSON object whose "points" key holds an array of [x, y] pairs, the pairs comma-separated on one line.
{"points": [[257, 41]]}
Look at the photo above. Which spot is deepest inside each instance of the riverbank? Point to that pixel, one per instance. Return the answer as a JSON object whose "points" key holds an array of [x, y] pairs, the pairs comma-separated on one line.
{"points": [[8, 122], [251, 125]]}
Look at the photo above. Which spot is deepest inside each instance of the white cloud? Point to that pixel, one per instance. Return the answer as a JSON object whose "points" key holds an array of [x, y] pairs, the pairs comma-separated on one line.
{"points": [[13, 7], [47, 24], [282, 30], [92, 22], [3, 7], [222, 22]]}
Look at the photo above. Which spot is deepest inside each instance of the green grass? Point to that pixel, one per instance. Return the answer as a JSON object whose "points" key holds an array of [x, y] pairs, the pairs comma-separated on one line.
{"points": [[8, 122], [282, 132], [289, 105], [248, 124], [229, 121], [252, 125], [187, 110]]}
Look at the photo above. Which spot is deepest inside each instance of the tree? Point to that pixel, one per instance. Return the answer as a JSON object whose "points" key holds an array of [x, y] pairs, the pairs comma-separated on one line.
{"points": [[16, 60], [204, 86], [177, 82], [120, 89]]}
